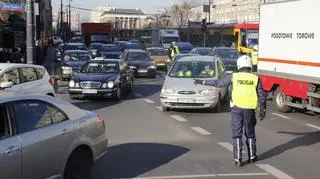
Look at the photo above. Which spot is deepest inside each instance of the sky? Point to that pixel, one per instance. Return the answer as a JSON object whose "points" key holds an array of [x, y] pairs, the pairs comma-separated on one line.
{"points": [[147, 6]]}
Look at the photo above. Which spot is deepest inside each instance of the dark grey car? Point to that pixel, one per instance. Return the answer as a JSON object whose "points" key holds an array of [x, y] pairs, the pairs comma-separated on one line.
{"points": [[228, 56]]}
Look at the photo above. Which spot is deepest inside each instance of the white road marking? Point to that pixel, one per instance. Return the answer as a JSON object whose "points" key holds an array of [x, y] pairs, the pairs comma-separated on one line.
{"points": [[148, 101], [201, 131], [159, 108], [242, 174], [229, 146], [274, 171], [313, 126], [138, 95], [280, 115], [179, 118], [202, 176]]}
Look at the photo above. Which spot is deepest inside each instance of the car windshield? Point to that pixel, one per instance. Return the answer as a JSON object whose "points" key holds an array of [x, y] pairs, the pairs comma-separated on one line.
{"points": [[157, 52], [227, 53], [95, 46], [134, 46], [168, 40], [178, 57], [193, 69], [138, 56], [77, 56], [204, 51], [110, 48], [76, 39], [74, 47], [101, 67]]}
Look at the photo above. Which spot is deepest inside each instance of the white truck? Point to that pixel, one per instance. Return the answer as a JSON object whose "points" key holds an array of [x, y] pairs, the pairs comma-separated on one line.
{"points": [[164, 37], [289, 60]]}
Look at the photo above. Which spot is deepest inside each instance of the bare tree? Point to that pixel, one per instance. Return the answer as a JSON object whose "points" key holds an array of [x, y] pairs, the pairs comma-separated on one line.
{"points": [[180, 13]]}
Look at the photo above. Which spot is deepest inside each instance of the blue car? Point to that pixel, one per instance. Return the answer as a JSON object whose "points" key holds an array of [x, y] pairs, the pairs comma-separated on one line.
{"points": [[110, 51], [72, 61], [108, 78], [185, 47]]}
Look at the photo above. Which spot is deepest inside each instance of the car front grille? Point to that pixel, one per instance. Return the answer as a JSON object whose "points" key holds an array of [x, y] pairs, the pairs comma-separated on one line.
{"points": [[90, 84], [186, 104], [186, 92]]}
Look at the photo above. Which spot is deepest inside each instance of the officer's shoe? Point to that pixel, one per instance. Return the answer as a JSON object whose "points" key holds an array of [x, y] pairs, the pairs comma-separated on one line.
{"points": [[253, 159], [238, 162]]}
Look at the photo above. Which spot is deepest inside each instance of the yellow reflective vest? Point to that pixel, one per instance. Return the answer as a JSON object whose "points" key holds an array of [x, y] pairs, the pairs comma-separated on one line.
{"points": [[185, 74], [254, 56], [175, 50], [244, 92]]}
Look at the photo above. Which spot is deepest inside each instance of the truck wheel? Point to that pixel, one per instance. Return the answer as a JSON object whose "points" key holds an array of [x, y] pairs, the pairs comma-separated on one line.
{"points": [[279, 99]]}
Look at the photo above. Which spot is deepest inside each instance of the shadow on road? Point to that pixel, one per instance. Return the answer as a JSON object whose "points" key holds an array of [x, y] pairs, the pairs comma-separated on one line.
{"points": [[304, 139], [92, 105], [134, 159], [147, 90]]}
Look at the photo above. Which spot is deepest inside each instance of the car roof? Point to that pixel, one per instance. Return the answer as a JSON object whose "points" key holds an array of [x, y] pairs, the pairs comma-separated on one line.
{"points": [[224, 48], [202, 48], [76, 51], [136, 50], [155, 48], [96, 43], [197, 58], [74, 43], [105, 60], [10, 65]]}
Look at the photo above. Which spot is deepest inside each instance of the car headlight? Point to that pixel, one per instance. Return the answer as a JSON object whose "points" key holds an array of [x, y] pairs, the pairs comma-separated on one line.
{"points": [[94, 53], [67, 57], [168, 91], [59, 53], [77, 85], [104, 85], [207, 92], [152, 67], [132, 67], [66, 68], [71, 83], [110, 84]]}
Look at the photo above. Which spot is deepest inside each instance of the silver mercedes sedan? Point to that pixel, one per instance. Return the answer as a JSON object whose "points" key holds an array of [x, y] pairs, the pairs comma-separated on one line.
{"points": [[44, 137], [180, 92]]}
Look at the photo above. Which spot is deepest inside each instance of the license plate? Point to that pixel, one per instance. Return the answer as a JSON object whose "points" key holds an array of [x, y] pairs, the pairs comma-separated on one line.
{"points": [[161, 64], [142, 71], [186, 100], [90, 91]]}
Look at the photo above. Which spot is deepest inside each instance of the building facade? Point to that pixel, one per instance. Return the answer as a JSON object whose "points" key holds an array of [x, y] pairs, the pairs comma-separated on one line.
{"points": [[125, 18], [96, 14], [75, 20]]}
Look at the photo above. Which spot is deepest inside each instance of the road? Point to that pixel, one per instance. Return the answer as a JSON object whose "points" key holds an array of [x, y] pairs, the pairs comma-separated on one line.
{"points": [[146, 142]]}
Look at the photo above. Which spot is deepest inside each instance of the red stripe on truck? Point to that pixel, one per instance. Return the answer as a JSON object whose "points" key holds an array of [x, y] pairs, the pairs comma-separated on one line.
{"points": [[292, 62]]}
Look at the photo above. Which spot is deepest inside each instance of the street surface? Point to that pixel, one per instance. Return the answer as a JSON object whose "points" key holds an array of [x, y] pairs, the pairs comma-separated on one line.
{"points": [[148, 143]]}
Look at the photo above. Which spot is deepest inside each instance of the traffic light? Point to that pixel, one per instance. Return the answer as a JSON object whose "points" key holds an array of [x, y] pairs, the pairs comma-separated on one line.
{"points": [[204, 25]]}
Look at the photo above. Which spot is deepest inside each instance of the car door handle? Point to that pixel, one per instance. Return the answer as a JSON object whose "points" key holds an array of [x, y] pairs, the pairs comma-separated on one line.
{"points": [[11, 149], [65, 131]]}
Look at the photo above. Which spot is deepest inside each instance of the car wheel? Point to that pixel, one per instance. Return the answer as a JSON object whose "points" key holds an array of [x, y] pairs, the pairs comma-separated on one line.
{"points": [[79, 165], [154, 76], [278, 101], [217, 108], [118, 95], [165, 109], [131, 86]]}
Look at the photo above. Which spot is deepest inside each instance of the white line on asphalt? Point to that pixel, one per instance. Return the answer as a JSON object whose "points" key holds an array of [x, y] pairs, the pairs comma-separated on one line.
{"points": [[138, 95], [178, 118], [280, 115], [242, 174], [273, 171], [201, 131], [313, 126], [148, 101], [159, 108], [202, 176], [229, 146]]}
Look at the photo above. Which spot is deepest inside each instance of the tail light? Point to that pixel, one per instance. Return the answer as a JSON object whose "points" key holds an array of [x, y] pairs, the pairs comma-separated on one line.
{"points": [[101, 120], [51, 81]]}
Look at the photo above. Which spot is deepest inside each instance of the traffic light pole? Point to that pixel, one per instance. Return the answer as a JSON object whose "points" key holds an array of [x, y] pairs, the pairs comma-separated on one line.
{"points": [[30, 31]]}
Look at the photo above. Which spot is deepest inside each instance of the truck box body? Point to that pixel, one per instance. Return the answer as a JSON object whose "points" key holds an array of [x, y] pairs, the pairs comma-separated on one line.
{"points": [[164, 37], [97, 32], [289, 41]]}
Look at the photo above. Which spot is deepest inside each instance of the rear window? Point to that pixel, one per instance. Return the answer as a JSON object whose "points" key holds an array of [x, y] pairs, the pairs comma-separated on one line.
{"points": [[40, 72]]}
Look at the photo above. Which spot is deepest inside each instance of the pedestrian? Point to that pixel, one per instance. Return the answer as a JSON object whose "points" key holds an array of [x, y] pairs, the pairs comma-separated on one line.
{"points": [[254, 56], [246, 92]]}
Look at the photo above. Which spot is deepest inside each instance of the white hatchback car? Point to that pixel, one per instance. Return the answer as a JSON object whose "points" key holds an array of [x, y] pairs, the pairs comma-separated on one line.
{"points": [[25, 79]]}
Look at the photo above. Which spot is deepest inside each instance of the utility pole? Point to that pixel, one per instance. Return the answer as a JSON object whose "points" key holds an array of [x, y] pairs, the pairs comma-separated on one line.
{"points": [[70, 18], [61, 16], [30, 31], [209, 11]]}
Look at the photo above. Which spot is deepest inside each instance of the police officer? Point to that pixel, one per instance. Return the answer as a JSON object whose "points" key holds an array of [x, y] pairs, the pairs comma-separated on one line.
{"points": [[184, 72], [254, 56], [207, 71], [246, 92], [174, 50]]}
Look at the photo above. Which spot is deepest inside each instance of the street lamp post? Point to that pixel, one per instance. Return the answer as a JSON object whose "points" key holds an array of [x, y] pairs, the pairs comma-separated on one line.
{"points": [[30, 31]]}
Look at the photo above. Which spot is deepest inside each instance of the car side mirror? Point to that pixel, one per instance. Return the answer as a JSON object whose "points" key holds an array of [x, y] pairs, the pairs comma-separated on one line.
{"points": [[6, 84]]}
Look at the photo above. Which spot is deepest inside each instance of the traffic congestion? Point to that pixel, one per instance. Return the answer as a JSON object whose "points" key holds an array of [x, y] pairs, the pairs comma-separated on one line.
{"points": [[159, 105]]}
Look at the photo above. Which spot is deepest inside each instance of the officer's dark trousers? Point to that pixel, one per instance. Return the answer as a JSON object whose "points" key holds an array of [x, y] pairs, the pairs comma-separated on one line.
{"points": [[243, 119]]}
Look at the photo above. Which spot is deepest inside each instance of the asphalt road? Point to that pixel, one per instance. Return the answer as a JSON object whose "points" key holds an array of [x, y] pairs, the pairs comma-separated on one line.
{"points": [[146, 142]]}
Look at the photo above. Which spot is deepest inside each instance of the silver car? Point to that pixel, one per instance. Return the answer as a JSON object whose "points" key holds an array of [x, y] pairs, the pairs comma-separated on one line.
{"points": [[44, 137], [179, 90]]}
